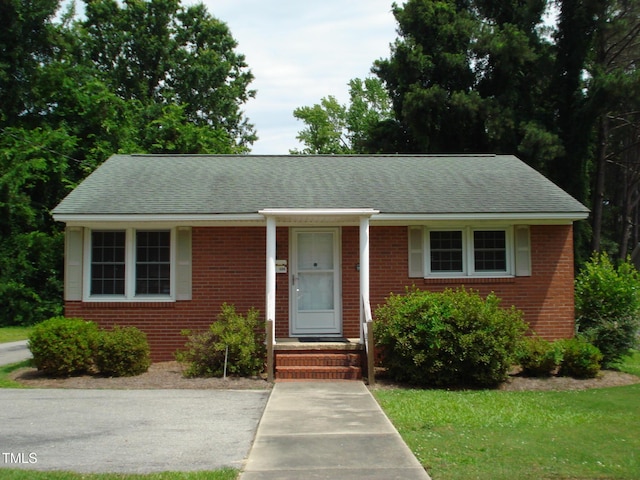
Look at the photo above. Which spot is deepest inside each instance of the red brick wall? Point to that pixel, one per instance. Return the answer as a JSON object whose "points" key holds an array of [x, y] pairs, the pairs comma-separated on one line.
{"points": [[546, 297], [229, 265]]}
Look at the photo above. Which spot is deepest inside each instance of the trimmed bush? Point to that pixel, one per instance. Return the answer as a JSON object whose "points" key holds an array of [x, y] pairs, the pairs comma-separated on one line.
{"points": [[122, 352], [539, 357], [63, 346], [244, 337], [608, 307], [580, 359], [453, 338]]}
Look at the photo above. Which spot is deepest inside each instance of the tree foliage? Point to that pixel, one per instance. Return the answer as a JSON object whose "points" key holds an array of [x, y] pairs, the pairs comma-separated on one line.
{"points": [[608, 306], [334, 128], [139, 76], [555, 82]]}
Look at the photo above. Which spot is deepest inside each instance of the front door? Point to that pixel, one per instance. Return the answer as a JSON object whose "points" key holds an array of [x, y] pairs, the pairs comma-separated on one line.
{"points": [[315, 282]]}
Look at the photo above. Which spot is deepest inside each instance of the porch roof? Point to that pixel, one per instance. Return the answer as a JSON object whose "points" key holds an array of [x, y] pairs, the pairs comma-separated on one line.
{"points": [[394, 185]]}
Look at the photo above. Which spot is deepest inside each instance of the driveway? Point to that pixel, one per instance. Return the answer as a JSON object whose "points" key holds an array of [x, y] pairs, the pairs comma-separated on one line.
{"points": [[127, 431], [14, 352]]}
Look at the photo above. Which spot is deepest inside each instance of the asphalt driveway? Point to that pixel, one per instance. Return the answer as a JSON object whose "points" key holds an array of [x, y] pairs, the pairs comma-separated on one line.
{"points": [[14, 352], [127, 431]]}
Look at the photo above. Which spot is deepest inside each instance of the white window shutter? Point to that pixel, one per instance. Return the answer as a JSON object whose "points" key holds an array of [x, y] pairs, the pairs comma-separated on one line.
{"points": [[183, 263], [73, 263], [523, 251], [416, 252]]}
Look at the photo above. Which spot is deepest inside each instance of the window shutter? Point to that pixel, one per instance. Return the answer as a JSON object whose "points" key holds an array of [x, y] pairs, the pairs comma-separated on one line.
{"points": [[416, 252], [183, 264], [523, 251], [73, 264]]}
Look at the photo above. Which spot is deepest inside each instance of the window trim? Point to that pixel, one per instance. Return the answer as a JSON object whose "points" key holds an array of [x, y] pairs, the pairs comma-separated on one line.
{"points": [[130, 268], [468, 251]]}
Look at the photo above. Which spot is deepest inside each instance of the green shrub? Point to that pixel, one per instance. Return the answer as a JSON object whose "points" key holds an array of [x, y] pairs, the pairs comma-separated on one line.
{"points": [[122, 352], [448, 338], [63, 346], [608, 306], [539, 357], [244, 337], [580, 359]]}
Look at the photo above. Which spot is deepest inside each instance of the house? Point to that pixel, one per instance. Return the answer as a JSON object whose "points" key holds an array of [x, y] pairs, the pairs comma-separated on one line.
{"points": [[161, 241]]}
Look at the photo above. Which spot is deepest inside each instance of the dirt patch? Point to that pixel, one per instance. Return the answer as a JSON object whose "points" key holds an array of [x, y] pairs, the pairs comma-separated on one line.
{"points": [[168, 375], [161, 375]]}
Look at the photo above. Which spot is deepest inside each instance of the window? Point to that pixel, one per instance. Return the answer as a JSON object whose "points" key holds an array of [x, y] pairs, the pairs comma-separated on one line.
{"points": [[446, 251], [469, 251], [490, 251], [130, 264], [153, 263], [107, 263]]}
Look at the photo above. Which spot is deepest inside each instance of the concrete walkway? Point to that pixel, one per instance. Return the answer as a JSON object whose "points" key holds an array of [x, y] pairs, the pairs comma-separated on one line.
{"points": [[328, 430], [14, 352]]}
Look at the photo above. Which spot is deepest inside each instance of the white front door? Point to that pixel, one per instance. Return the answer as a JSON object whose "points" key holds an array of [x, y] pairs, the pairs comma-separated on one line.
{"points": [[315, 282]]}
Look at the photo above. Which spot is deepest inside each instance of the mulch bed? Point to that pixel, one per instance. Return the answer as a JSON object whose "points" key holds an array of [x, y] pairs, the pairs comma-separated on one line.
{"points": [[161, 375], [168, 375]]}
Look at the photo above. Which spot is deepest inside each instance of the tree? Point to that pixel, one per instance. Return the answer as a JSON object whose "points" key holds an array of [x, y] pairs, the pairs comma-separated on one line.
{"points": [[615, 81], [157, 52], [143, 76], [471, 76], [25, 43], [430, 78], [333, 128], [579, 22]]}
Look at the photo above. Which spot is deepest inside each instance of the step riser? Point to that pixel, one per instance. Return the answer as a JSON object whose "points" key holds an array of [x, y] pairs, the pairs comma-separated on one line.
{"points": [[318, 373], [318, 366], [326, 360]]}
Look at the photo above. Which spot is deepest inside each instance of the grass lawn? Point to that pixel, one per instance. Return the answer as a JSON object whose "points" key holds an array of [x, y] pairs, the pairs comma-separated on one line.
{"points": [[5, 370], [589, 434], [224, 474], [13, 334]]}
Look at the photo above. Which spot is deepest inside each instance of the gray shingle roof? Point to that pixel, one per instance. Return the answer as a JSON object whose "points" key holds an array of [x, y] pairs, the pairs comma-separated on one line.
{"points": [[393, 184]]}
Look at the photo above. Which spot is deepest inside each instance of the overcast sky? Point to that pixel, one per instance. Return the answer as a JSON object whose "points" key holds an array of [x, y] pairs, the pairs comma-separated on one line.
{"points": [[302, 51]]}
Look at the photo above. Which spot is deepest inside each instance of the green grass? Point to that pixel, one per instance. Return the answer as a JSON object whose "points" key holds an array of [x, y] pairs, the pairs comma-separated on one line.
{"points": [[490, 434], [5, 370], [13, 334], [224, 474]]}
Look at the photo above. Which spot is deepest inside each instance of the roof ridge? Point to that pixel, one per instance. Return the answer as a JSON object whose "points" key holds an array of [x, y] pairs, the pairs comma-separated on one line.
{"points": [[354, 155]]}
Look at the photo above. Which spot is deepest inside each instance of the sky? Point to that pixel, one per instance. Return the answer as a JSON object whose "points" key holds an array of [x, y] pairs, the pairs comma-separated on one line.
{"points": [[301, 51]]}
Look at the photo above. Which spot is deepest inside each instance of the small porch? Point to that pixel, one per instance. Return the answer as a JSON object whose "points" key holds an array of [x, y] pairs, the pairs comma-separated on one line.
{"points": [[305, 352]]}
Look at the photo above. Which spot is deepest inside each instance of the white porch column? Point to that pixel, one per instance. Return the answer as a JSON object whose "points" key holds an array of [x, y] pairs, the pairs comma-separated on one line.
{"points": [[364, 269], [271, 271]]}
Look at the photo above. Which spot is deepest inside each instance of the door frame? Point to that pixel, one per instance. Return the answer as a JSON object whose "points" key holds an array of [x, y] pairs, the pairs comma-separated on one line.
{"points": [[337, 277]]}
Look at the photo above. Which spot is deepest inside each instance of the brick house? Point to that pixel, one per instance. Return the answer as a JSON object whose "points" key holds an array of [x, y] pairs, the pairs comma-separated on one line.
{"points": [[161, 241]]}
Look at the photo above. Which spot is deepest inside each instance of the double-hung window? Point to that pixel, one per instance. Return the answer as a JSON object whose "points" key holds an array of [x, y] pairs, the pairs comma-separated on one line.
{"points": [[446, 251], [153, 263], [130, 264], [468, 251], [108, 262]]}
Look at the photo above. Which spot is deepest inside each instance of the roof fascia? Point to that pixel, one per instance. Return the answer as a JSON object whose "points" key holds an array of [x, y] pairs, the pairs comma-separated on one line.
{"points": [[563, 218], [163, 219], [260, 217]]}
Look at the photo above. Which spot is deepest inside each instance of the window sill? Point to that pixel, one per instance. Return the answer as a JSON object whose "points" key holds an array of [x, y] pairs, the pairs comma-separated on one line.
{"points": [[468, 280], [129, 303]]}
